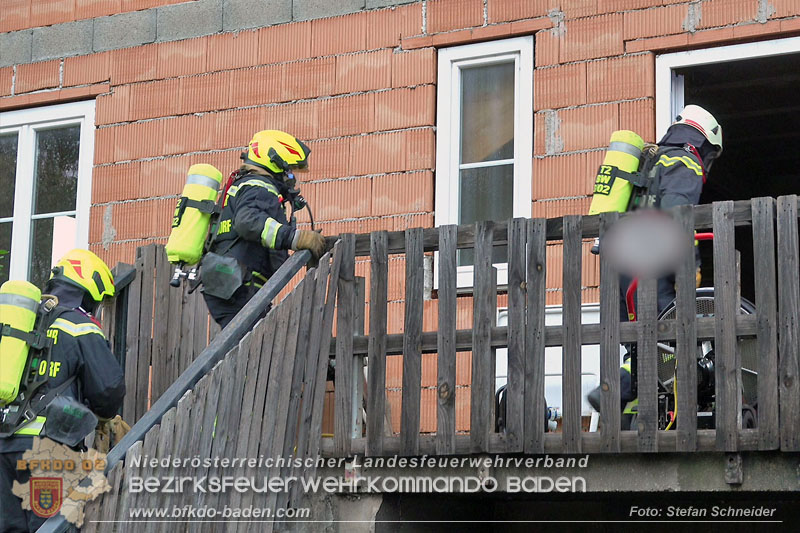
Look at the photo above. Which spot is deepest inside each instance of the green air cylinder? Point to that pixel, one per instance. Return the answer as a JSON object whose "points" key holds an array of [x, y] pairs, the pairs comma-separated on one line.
{"points": [[190, 224], [612, 193], [19, 301]]}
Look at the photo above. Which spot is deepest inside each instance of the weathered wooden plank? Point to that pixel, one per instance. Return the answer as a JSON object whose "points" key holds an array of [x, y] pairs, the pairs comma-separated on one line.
{"points": [[378, 297], [232, 418], [203, 412], [767, 313], [110, 503], [149, 447], [343, 395], [647, 366], [145, 330], [571, 358], [126, 496], [326, 331], [186, 329], [132, 342], [789, 334], [357, 378], [609, 346], [446, 343], [163, 447], [175, 310], [554, 227], [515, 388], [686, 343], [746, 326], [592, 442], [484, 312], [201, 317], [535, 405], [412, 356], [727, 367], [181, 443], [161, 358], [222, 431]]}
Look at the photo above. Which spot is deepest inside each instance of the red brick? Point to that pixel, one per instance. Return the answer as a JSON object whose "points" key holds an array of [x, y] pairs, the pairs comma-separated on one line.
{"points": [[791, 25], [412, 43], [139, 140], [405, 108], [414, 68], [16, 15], [429, 374], [82, 70], [235, 128], [232, 50], [49, 12], [420, 149], [88, 9], [299, 118], [344, 198], [35, 76], [563, 176], [205, 93], [347, 115], [329, 159], [181, 58], [377, 154], [338, 35], [711, 36], [529, 27], [504, 10], [386, 26], [784, 8], [639, 116], [772, 27], [547, 48], [138, 220], [309, 79], [404, 222], [165, 176], [104, 145], [284, 42], [257, 86], [578, 8], [657, 43], [587, 127], [191, 133], [615, 6], [558, 208], [114, 107], [592, 37], [654, 22], [454, 15], [396, 194], [115, 182], [154, 99], [363, 72], [130, 65], [137, 5], [621, 78], [560, 86], [715, 14], [6, 77]]}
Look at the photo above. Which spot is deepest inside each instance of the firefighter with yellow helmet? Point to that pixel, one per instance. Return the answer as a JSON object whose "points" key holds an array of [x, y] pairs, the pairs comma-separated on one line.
{"points": [[253, 227], [80, 371], [681, 161]]}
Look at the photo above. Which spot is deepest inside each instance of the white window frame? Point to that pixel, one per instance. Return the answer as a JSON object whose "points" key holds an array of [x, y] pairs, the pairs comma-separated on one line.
{"points": [[669, 84], [448, 128], [26, 123]]}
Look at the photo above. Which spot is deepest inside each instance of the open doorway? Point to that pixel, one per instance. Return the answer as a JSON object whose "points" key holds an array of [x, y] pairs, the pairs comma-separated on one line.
{"points": [[752, 91]]}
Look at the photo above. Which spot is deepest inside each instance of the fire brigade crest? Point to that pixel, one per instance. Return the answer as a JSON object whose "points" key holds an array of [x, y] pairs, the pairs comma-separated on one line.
{"points": [[45, 495]]}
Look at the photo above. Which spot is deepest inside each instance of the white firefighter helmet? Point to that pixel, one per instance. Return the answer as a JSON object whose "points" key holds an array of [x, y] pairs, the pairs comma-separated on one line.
{"points": [[700, 119]]}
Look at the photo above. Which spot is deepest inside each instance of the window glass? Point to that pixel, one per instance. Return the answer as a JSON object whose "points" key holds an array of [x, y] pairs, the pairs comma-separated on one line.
{"points": [[5, 247], [486, 194], [487, 113], [56, 171], [8, 173]]}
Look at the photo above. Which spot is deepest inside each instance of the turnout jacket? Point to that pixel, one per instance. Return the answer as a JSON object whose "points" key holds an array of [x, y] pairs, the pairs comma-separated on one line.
{"points": [[79, 349], [253, 211]]}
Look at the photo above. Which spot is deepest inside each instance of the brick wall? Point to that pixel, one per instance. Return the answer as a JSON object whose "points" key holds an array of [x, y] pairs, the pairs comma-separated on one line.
{"points": [[191, 82]]}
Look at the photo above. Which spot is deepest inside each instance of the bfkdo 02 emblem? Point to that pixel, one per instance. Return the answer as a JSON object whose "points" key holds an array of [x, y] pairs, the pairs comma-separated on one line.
{"points": [[45, 495]]}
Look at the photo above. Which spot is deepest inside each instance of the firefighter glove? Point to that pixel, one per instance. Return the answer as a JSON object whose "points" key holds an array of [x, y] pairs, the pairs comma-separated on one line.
{"points": [[309, 240]]}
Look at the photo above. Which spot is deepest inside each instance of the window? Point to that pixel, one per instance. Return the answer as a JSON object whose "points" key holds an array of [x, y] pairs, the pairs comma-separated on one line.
{"points": [[484, 138], [45, 175]]}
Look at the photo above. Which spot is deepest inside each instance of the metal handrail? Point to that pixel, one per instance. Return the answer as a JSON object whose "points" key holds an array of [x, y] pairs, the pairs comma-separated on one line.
{"points": [[210, 356]]}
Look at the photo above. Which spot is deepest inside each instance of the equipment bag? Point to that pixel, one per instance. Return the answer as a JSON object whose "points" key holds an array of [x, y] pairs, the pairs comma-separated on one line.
{"points": [[221, 275]]}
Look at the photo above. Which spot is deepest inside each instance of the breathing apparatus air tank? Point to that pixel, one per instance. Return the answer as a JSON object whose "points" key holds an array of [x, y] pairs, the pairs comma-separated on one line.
{"points": [[19, 302], [192, 218], [612, 192]]}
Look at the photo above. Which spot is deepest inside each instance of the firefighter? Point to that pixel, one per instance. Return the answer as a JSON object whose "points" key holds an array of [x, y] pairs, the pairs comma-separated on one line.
{"points": [[683, 158], [80, 355], [253, 227]]}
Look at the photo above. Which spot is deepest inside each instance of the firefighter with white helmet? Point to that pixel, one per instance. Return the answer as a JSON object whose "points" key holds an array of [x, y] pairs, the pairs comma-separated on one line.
{"points": [[253, 227], [79, 375]]}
